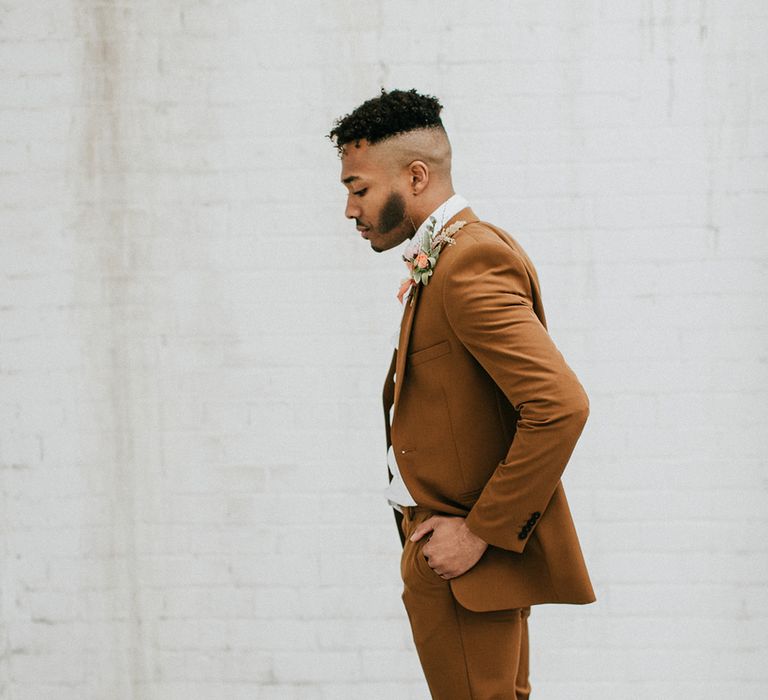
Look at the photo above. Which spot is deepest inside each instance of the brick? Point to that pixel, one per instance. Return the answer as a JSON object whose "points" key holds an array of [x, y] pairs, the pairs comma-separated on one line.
{"points": [[313, 667]]}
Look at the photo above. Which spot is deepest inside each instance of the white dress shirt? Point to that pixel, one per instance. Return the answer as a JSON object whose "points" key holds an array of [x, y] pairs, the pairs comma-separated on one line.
{"points": [[397, 492]]}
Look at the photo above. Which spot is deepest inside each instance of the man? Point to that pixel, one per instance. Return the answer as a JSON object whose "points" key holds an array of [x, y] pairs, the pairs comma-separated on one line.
{"points": [[482, 412]]}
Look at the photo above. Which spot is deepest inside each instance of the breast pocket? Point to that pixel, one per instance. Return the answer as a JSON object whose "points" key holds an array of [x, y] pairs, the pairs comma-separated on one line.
{"points": [[431, 352]]}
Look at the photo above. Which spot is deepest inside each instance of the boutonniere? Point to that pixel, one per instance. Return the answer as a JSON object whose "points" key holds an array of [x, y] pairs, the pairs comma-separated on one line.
{"points": [[421, 256]]}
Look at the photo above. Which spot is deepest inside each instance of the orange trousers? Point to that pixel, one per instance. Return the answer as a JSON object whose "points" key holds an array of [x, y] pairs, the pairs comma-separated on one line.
{"points": [[465, 655]]}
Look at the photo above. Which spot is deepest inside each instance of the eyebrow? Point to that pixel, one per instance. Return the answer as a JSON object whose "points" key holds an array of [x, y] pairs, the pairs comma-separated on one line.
{"points": [[349, 179]]}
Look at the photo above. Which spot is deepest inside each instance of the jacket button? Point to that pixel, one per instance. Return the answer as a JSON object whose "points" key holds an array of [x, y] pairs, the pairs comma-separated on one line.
{"points": [[521, 536], [536, 515]]}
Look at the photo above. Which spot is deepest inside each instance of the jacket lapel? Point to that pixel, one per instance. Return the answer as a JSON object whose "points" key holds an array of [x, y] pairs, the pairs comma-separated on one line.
{"points": [[405, 334], [406, 324]]}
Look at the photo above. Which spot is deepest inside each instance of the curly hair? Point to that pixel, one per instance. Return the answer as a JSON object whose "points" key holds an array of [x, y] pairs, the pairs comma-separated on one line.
{"points": [[391, 113]]}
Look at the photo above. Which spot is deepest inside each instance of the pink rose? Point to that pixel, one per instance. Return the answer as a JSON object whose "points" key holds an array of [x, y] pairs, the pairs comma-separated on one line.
{"points": [[422, 261]]}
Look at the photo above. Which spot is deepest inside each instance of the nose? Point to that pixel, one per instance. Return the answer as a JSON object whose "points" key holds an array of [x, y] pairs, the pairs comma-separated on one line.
{"points": [[352, 210]]}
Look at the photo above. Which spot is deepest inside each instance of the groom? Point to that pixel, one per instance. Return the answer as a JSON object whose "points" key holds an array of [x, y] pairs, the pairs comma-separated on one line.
{"points": [[482, 411]]}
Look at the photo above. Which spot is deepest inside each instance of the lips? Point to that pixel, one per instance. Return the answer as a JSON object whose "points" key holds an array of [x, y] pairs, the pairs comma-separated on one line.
{"points": [[363, 230]]}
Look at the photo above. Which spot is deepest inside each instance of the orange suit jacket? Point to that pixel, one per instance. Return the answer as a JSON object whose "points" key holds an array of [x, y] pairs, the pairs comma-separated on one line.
{"points": [[486, 416]]}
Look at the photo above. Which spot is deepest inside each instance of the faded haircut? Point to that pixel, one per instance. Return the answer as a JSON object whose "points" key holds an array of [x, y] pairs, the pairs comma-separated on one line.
{"points": [[389, 114]]}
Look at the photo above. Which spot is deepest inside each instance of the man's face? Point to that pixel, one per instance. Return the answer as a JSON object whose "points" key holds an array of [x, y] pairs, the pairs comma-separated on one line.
{"points": [[376, 196]]}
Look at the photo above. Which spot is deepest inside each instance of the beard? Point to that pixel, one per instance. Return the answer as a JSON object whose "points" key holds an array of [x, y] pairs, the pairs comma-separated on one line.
{"points": [[393, 219], [392, 213]]}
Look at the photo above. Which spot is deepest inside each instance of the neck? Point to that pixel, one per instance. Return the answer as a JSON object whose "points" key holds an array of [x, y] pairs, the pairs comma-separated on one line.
{"points": [[426, 205]]}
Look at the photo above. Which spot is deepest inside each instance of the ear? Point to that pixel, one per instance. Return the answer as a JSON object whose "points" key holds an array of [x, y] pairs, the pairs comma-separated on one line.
{"points": [[418, 176]]}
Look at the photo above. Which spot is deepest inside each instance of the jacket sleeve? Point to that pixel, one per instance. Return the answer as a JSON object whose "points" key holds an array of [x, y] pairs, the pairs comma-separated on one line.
{"points": [[488, 296]]}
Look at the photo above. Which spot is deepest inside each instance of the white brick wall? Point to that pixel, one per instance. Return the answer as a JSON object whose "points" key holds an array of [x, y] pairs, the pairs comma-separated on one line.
{"points": [[193, 339]]}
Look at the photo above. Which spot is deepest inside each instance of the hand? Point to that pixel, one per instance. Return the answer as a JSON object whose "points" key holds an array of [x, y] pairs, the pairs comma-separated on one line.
{"points": [[452, 548]]}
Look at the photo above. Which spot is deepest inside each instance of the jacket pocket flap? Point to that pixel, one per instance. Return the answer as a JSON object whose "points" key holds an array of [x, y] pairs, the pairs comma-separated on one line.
{"points": [[429, 353]]}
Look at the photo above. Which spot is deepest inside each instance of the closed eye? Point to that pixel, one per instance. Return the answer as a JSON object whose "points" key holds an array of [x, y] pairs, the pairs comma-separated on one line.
{"points": [[360, 193]]}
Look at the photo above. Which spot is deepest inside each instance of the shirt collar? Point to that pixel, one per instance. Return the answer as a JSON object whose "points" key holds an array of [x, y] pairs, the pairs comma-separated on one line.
{"points": [[444, 212], [449, 208]]}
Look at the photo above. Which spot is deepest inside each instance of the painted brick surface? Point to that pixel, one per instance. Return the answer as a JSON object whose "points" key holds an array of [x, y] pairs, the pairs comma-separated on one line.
{"points": [[193, 339]]}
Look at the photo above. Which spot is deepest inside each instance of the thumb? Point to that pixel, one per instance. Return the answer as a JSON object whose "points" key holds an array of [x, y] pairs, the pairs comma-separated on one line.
{"points": [[421, 530]]}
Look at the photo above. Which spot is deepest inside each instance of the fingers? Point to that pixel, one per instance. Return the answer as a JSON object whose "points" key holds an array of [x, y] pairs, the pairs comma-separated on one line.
{"points": [[440, 568], [427, 526], [446, 575]]}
